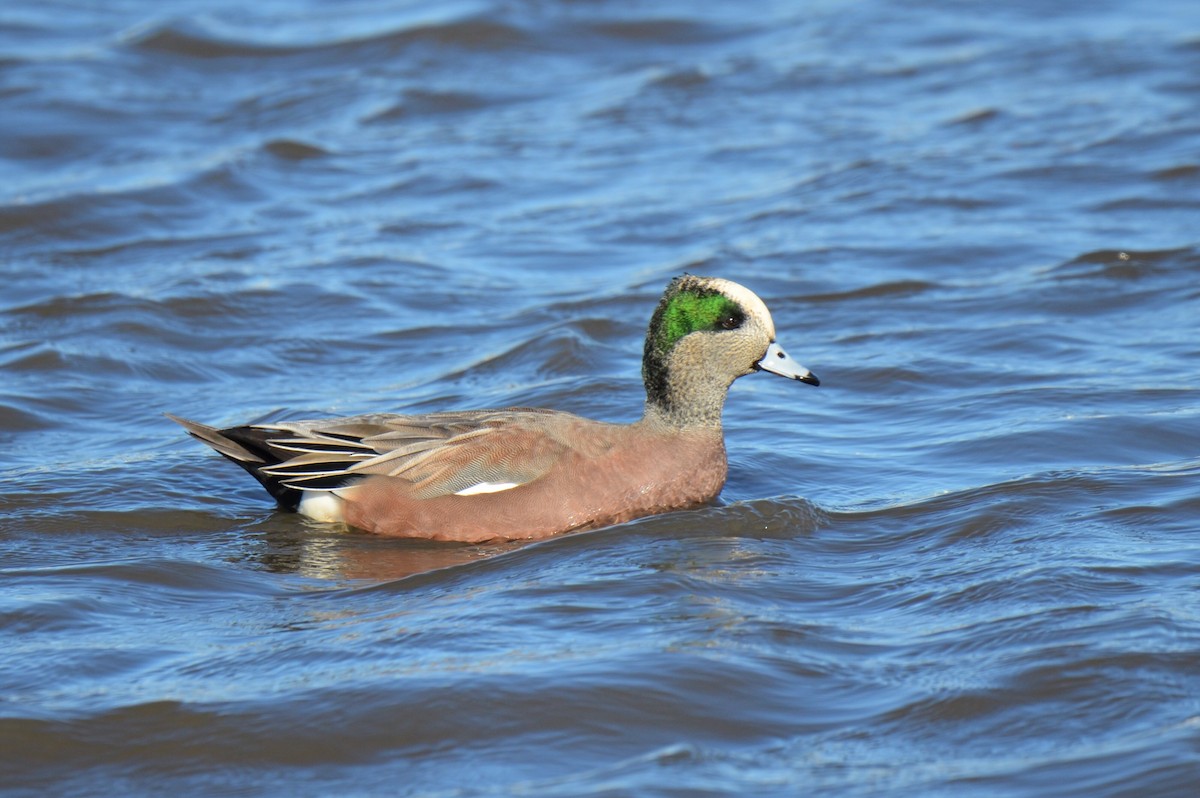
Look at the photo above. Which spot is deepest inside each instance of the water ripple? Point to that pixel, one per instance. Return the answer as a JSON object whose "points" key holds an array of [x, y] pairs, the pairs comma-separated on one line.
{"points": [[965, 565]]}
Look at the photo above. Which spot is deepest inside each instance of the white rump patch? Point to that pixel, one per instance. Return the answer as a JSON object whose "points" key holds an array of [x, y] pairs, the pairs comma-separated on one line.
{"points": [[321, 506], [487, 487]]}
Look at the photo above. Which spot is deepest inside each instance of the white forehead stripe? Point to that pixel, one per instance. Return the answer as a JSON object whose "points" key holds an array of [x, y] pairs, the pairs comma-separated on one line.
{"points": [[748, 300]]}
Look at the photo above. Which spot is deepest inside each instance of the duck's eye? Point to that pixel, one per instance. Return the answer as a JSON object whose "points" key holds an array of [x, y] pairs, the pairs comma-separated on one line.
{"points": [[730, 322]]}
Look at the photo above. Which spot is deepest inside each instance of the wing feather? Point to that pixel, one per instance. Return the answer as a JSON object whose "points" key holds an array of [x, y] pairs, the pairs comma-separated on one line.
{"points": [[438, 453]]}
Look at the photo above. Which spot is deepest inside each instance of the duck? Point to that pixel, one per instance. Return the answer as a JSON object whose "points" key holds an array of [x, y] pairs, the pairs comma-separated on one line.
{"points": [[481, 476]]}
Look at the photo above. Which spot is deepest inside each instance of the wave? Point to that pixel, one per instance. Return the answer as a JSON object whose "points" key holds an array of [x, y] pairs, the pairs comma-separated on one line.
{"points": [[189, 39]]}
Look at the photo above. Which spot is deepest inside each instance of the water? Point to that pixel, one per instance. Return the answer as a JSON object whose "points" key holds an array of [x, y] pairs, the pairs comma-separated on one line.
{"points": [[967, 564]]}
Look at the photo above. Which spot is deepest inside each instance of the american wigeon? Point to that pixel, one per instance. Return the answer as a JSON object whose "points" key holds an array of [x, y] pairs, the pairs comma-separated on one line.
{"points": [[520, 473]]}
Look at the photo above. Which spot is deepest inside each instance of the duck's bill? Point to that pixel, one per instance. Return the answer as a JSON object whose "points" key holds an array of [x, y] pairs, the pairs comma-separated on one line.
{"points": [[777, 361]]}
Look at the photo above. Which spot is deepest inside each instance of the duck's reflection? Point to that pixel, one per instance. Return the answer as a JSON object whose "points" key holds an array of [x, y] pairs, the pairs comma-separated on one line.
{"points": [[289, 544]]}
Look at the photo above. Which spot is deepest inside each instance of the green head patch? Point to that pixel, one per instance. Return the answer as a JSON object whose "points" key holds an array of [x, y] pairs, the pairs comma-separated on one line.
{"points": [[689, 309]]}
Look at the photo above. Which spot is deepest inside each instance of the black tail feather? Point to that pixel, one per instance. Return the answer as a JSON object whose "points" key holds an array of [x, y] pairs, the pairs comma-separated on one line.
{"points": [[258, 442]]}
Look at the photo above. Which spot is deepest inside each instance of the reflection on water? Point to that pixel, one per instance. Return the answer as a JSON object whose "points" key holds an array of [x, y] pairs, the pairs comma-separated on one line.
{"points": [[328, 551]]}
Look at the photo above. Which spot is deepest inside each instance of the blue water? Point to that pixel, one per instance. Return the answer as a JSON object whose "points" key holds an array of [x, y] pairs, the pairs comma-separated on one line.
{"points": [[967, 564]]}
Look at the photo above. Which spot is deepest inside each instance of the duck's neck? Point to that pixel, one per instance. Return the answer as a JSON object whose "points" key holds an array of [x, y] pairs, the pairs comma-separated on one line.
{"points": [[659, 417], [687, 401], [680, 394]]}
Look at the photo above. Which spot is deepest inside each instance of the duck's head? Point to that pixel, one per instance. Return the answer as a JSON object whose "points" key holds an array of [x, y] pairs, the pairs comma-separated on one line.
{"points": [[705, 333]]}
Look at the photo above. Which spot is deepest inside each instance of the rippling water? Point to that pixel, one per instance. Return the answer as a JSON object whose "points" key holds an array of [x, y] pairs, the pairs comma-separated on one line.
{"points": [[967, 564]]}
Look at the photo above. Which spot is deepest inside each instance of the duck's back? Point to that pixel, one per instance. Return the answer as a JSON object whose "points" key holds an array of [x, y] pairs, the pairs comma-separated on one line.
{"points": [[537, 476]]}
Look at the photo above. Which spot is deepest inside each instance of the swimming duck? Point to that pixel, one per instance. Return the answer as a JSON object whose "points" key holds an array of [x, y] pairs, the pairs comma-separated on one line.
{"points": [[520, 473]]}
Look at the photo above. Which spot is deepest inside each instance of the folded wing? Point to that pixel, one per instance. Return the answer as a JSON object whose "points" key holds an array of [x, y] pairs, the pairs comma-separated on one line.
{"points": [[438, 454]]}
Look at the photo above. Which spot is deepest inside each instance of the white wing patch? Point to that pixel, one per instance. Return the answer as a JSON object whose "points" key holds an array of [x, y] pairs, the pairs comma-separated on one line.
{"points": [[487, 487]]}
